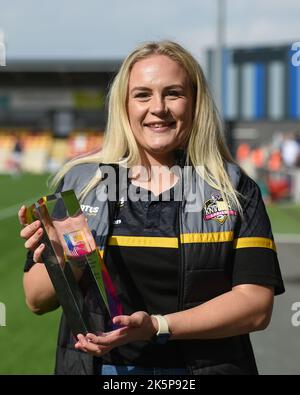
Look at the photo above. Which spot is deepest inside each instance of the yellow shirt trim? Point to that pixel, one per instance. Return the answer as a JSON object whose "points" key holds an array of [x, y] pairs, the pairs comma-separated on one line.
{"points": [[140, 241], [170, 242], [214, 237], [252, 242], [190, 238]]}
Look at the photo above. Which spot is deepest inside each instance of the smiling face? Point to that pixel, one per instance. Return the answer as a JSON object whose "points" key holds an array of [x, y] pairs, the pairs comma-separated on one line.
{"points": [[160, 106]]}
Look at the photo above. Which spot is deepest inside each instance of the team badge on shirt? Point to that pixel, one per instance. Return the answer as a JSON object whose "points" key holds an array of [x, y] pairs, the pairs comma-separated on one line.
{"points": [[216, 209]]}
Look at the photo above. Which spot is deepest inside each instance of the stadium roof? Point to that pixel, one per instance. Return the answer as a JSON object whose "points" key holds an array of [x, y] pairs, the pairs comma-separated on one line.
{"points": [[62, 66], [57, 72]]}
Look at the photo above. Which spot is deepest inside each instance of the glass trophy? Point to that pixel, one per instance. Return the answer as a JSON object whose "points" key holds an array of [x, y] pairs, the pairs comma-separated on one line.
{"points": [[69, 247]]}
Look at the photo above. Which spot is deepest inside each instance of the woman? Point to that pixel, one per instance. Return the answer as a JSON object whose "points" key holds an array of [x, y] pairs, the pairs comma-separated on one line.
{"points": [[194, 279]]}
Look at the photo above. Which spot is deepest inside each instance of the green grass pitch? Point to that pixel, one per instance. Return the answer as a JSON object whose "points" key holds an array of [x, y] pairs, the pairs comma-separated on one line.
{"points": [[27, 342]]}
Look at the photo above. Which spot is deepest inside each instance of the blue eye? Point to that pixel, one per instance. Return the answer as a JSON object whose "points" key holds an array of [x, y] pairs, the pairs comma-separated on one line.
{"points": [[173, 93], [141, 95]]}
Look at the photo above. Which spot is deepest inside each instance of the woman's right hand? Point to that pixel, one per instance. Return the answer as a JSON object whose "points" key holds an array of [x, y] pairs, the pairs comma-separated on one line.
{"points": [[32, 233]]}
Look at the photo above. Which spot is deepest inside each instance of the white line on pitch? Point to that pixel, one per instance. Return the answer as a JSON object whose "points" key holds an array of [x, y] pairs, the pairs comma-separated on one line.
{"points": [[11, 211]]}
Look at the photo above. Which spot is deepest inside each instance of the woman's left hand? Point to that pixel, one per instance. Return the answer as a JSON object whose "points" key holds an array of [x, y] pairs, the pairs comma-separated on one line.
{"points": [[138, 326]]}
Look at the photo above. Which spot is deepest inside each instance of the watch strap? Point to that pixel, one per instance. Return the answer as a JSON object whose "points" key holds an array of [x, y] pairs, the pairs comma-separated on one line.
{"points": [[163, 326]]}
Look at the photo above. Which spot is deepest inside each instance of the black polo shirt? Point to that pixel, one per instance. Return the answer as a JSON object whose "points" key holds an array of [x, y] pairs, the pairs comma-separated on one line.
{"points": [[143, 261]]}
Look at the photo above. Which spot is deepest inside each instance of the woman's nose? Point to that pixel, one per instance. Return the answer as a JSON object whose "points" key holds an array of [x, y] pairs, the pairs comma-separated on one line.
{"points": [[158, 105]]}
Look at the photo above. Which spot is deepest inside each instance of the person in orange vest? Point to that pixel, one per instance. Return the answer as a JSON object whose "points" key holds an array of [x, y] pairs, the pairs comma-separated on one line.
{"points": [[275, 161], [242, 152], [258, 157], [279, 186]]}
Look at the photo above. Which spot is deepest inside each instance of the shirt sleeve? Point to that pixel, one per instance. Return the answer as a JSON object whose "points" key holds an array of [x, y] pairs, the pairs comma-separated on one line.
{"points": [[255, 255], [29, 262]]}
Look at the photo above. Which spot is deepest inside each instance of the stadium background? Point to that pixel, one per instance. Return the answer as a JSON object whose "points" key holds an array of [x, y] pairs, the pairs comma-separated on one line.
{"points": [[56, 111]]}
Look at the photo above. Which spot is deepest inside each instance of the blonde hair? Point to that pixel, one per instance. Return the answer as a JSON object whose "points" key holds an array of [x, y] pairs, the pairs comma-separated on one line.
{"points": [[205, 147]]}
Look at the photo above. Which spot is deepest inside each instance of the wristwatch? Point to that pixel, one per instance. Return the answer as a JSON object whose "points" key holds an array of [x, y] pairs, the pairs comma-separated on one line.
{"points": [[163, 334]]}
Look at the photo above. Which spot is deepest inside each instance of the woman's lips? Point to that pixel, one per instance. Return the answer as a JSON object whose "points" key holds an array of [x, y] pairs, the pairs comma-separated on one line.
{"points": [[160, 126]]}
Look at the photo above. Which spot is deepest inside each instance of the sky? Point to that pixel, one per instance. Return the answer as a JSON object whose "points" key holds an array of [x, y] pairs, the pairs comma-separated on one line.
{"points": [[99, 29]]}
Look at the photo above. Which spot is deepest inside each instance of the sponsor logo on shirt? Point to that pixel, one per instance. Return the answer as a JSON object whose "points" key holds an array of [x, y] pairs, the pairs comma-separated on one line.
{"points": [[90, 210], [120, 204], [216, 209]]}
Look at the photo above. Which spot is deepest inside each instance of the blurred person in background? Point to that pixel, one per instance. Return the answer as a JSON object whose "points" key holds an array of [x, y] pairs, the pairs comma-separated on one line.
{"points": [[193, 283], [291, 158], [16, 156], [290, 150], [298, 142], [244, 159]]}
